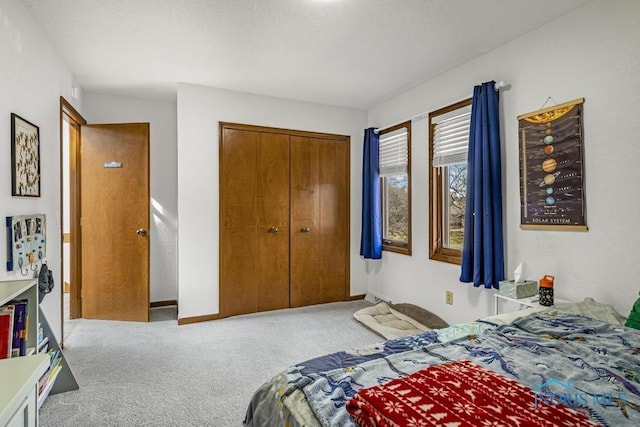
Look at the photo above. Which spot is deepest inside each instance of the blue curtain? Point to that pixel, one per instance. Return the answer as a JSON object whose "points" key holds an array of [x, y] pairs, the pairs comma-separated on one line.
{"points": [[371, 239], [483, 249]]}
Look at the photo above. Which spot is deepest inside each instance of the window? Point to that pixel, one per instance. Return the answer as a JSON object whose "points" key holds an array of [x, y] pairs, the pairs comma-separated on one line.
{"points": [[448, 145], [395, 185]]}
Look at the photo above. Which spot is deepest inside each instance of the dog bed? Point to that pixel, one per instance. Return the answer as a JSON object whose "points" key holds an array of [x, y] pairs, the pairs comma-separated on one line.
{"points": [[399, 320]]}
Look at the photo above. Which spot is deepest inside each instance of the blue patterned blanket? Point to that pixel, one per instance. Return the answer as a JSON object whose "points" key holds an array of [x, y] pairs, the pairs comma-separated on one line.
{"points": [[584, 363], [267, 407]]}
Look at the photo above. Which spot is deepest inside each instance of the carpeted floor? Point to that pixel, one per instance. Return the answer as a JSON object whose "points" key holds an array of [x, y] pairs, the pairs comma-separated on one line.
{"points": [[161, 374]]}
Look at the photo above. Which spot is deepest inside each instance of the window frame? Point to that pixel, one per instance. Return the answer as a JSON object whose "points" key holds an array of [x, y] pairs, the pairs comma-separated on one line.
{"points": [[394, 245], [437, 187]]}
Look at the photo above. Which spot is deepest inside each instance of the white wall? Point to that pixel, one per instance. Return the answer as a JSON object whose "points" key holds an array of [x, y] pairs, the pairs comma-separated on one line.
{"points": [[32, 79], [593, 53], [161, 115], [200, 109]]}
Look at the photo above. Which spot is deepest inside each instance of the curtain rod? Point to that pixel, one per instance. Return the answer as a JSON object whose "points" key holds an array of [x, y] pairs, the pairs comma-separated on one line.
{"points": [[499, 85]]}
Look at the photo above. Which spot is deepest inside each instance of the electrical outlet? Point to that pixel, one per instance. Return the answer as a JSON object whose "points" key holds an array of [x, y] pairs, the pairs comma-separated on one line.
{"points": [[449, 297]]}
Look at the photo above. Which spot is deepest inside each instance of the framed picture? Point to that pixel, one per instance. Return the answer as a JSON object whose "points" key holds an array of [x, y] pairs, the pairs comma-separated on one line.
{"points": [[552, 168], [25, 157]]}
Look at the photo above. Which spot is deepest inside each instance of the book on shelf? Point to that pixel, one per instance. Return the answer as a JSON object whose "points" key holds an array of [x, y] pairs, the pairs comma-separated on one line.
{"points": [[55, 364], [43, 347], [20, 327], [40, 334], [56, 368], [6, 331], [54, 356], [44, 380]]}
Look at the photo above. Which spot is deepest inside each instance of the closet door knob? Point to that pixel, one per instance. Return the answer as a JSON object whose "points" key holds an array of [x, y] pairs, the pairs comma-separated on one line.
{"points": [[141, 232], [273, 230], [304, 229]]}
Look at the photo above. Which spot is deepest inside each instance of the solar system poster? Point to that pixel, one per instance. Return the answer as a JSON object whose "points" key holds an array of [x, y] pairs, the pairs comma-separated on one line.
{"points": [[551, 168]]}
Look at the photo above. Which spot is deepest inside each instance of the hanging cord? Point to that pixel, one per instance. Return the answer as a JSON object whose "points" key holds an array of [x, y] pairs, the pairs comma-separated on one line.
{"points": [[548, 99]]}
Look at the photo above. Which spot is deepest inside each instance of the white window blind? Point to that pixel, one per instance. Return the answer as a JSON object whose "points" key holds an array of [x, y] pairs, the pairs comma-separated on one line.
{"points": [[393, 152], [451, 140]]}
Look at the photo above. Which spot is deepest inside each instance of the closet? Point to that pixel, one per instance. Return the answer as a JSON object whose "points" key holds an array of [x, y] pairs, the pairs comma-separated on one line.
{"points": [[284, 218]]}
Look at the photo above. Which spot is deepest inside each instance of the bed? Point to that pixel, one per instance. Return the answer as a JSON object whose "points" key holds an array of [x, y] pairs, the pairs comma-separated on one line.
{"points": [[579, 354]]}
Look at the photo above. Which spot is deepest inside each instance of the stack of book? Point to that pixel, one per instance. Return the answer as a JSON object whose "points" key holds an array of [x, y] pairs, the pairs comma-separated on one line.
{"points": [[14, 321], [55, 363]]}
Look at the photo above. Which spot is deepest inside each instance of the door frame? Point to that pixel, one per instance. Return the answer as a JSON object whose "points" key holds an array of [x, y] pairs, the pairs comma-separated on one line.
{"points": [[75, 250]]}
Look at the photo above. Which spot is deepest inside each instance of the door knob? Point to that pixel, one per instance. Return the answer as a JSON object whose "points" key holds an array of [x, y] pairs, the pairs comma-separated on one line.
{"points": [[304, 229], [141, 232], [273, 230]]}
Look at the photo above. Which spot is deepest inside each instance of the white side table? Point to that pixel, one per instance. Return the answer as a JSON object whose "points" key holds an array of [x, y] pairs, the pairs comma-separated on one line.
{"points": [[524, 302]]}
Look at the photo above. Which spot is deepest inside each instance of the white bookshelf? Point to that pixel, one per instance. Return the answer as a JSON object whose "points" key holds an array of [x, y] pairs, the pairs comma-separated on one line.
{"points": [[19, 391], [63, 379]]}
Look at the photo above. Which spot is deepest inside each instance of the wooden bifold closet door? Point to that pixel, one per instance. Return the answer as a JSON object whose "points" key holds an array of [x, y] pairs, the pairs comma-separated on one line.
{"points": [[319, 220], [284, 218]]}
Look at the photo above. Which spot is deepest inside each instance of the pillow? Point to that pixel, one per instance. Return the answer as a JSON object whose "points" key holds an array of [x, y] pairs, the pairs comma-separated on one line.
{"points": [[399, 320], [592, 308], [588, 308], [388, 323], [420, 315]]}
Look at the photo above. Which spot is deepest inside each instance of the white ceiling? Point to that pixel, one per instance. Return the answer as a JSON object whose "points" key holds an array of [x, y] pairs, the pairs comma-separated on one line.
{"points": [[352, 53]]}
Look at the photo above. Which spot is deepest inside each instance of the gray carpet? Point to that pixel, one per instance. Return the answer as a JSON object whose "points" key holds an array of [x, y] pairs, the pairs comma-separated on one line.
{"points": [[161, 374]]}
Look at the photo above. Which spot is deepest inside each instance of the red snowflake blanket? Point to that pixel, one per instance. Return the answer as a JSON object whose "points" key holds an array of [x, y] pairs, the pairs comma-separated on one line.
{"points": [[456, 394]]}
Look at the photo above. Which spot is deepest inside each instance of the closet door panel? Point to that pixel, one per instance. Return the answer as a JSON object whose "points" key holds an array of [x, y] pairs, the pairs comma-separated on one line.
{"points": [[319, 220], [254, 216]]}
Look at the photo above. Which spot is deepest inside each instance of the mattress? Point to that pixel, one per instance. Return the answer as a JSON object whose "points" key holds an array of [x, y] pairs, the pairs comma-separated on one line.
{"points": [[542, 350]]}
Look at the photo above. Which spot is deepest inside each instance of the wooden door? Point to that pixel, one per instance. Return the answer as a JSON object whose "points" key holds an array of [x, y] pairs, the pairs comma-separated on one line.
{"points": [[319, 220], [254, 221], [114, 211]]}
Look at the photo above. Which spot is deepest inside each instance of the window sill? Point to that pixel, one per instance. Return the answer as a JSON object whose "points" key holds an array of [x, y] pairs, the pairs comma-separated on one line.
{"points": [[450, 258], [404, 250]]}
